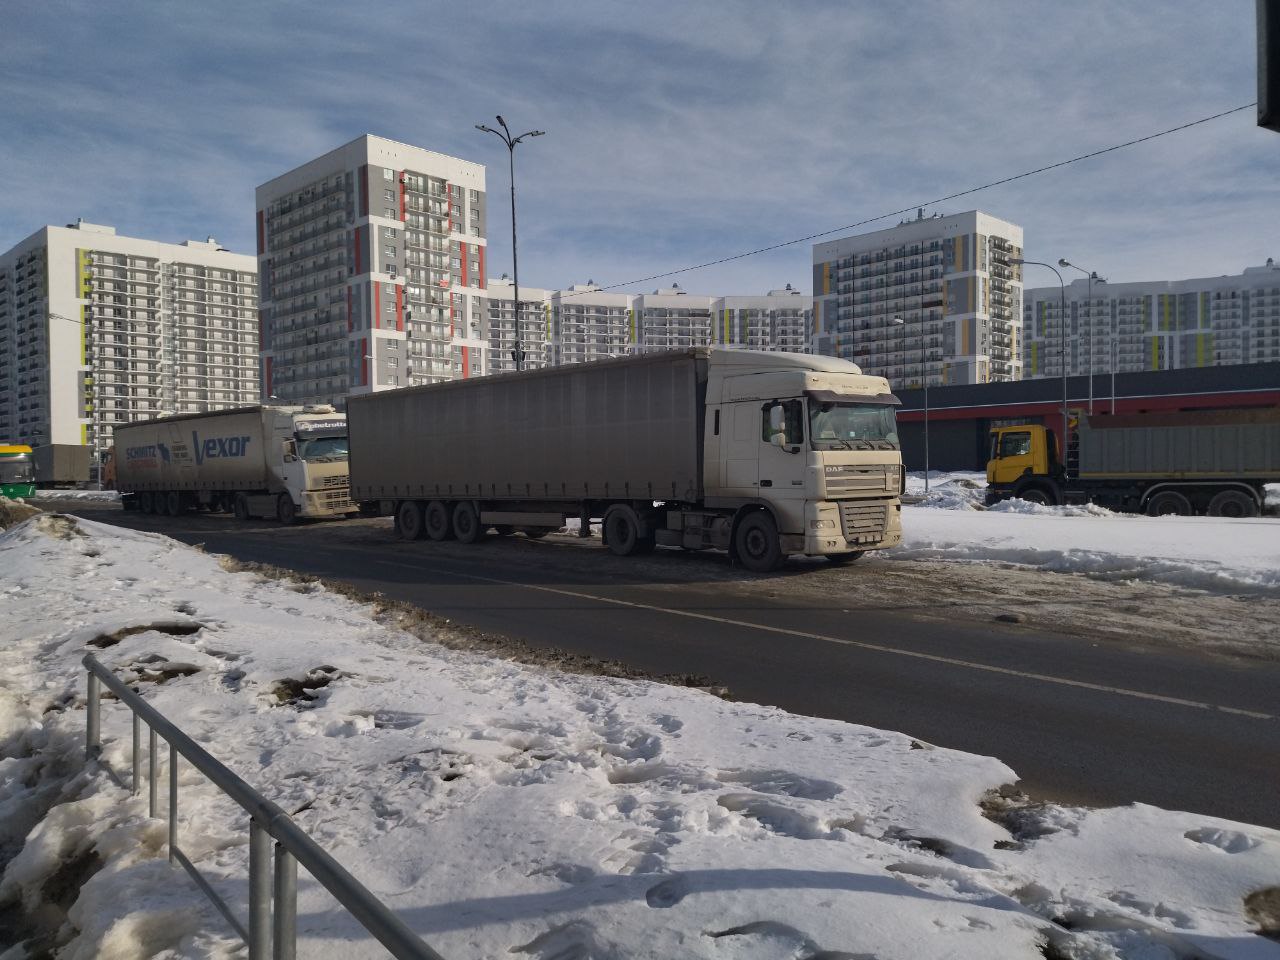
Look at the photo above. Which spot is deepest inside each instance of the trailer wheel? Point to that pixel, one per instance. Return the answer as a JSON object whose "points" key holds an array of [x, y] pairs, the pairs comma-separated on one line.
{"points": [[438, 525], [1232, 503], [410, 522], [622, 532], [466, 523], [756, 542], [173, 504], [1169, 503], [240, 506], [146, 503], [160, 503], [286, 509]]}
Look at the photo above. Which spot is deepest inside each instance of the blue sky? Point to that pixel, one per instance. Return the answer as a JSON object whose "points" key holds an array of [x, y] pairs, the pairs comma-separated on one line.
{"points": [[676, 132]]}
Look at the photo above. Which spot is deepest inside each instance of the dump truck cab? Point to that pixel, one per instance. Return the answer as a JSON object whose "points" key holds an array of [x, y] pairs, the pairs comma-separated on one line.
{"points": [[1023, 463]]}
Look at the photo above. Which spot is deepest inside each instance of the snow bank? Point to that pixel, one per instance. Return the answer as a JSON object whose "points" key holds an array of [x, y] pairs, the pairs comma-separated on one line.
{"points": [[1209, 553], [506, 810]]}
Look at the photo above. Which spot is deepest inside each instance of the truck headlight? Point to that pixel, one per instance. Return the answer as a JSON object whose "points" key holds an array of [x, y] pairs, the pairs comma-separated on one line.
{"points": [[822, 524]]}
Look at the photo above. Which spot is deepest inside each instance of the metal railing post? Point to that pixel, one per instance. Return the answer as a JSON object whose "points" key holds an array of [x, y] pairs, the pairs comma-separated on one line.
{"points": [[93, 724], [259, 891], [173, 801], [153, 784], [285, 919], [137, 753]]}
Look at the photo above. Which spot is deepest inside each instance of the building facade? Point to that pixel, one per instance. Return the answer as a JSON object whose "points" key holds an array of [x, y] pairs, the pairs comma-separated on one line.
{"points": [[98, 329], [371, 261], [499, 330], [779, 320], [935, 297], [1158, 325], [588, 323]]}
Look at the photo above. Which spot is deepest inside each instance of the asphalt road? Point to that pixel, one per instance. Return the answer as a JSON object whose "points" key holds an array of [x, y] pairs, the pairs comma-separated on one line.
{"points": [[1081, 722]]}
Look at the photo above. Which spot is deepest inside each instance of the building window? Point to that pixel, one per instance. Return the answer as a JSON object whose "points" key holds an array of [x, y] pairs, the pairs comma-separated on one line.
{"points": [[388, 195], [387, 173], [390, 212]]}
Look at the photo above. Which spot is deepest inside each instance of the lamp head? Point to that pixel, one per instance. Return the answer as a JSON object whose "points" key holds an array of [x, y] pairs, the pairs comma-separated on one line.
{"points": [[502, 123], [1063, 263]]}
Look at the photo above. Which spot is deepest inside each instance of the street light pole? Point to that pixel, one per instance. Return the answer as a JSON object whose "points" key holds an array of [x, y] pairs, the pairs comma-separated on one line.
{"points": [[1063, 324], [1093, 275], [510, 141], [96, 396]]}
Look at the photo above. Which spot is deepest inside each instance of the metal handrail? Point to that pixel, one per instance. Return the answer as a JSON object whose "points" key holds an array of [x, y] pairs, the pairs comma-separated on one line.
{"points": [[265, 935]]}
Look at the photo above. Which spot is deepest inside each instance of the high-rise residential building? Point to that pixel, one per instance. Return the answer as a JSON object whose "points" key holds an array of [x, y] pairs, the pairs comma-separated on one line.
{"points": [[372, 271], [98, 329], [779, 320], [937, 294], [588, 323], [499, 329], [672, 319], [1156, 325]]}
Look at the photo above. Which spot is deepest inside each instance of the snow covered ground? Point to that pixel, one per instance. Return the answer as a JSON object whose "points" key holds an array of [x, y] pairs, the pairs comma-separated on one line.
{"points": [[91, 496], [506, 810], [1218, 554]]}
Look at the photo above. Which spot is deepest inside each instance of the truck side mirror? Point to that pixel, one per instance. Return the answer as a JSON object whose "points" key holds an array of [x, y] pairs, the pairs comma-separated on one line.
{"points": [[778, 439], [777, 426]]}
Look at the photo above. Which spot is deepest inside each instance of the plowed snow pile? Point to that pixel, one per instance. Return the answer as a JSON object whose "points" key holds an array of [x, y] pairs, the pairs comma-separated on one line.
{"points": [[504, 810]]}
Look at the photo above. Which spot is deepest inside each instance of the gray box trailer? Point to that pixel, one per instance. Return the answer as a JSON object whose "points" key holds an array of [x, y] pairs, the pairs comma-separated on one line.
{"points": [[61, 464], [624, 428], [697, 448]]}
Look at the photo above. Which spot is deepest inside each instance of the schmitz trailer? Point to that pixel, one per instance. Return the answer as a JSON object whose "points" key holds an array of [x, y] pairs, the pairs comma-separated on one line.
{"points": [[282, 462], [760, 454], [1212, 462]]}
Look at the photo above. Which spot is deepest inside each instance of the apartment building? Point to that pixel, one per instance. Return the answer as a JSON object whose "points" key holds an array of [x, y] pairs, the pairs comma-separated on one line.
{"points": [[935, 297], [98, 329], [779, 320], [588, 323], [371, 261], [1155, 325], [672, 319], [500, 330]]}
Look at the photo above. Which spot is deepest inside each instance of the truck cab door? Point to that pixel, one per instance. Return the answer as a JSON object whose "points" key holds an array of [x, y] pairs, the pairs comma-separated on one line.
{"points": [[740, 449], [782, 460], [1012, 453]]}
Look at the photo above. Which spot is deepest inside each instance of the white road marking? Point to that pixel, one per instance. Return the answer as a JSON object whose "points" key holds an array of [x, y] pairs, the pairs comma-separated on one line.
{"points": [[863, 645]]}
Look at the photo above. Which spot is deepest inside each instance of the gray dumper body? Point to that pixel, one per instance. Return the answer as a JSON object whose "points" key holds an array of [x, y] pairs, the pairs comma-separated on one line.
{"points": [[1202, 445]]}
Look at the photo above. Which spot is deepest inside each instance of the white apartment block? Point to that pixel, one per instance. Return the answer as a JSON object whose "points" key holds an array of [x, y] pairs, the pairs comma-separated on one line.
{"points": [[672, 319], [937, 294], [98, 329], [779, 320], [588, 323], [372, 272], [1156, 325], [499, 330]]}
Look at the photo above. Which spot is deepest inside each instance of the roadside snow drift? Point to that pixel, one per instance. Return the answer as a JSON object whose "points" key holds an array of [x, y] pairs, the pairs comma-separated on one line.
{"points": [[505, 810]]}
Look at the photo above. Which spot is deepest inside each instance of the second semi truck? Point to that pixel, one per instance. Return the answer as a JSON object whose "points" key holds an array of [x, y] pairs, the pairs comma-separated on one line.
{"points": [[281, 462], [1212, 462], [760, 454]]}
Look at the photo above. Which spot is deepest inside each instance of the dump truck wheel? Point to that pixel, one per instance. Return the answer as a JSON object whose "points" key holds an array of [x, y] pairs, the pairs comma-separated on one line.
{"points": [[1232, 503], [1037, 495], [1168, 503], [466, 523], [410, 521], [438, 524], [756, 543]]}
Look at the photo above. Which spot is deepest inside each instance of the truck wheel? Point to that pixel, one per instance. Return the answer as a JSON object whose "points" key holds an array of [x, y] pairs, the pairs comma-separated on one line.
{"points": [[1168, 503], [622, 533], [286, 509], [410, 523], [466, 523], [756, 541], [1038, 495], [173, 504], [146, 503], [240, 507], [437, 521], [1232, 503], [160, 503]]}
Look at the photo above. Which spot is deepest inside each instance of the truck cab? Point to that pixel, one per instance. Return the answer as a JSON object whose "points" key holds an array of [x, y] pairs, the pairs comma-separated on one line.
{"points": [[1023, 463], [313, 460], [813, 441]]}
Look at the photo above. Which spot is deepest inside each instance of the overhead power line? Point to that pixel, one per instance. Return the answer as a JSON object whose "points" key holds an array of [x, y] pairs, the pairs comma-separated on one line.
{"points": [[927, 203]]}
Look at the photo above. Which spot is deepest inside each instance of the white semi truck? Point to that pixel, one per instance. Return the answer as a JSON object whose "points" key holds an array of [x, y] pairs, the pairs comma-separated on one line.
{"points": [[760, 454], [281, 462]]}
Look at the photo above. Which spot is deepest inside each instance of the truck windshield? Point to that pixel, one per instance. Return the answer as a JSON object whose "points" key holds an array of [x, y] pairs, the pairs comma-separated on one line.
{"points": [[852, 426], [322, 448], [16, 470]]}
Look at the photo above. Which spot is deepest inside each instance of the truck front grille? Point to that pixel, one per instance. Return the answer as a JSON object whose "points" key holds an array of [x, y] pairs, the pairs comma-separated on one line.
{"points": [[862, 480], [336, 499], [338, 481], [863, 522]]}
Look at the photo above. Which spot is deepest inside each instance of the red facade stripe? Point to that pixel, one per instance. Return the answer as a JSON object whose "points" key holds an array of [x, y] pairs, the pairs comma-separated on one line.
{"points": [[481, 278], [399, 308], [466, 363], [1101, 405], [462, 249]]}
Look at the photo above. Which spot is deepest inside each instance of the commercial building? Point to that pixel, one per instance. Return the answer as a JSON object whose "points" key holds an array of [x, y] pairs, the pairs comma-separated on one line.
{"points": [[371, 261], [98, 329], [936, 296], [1157, 325]]}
